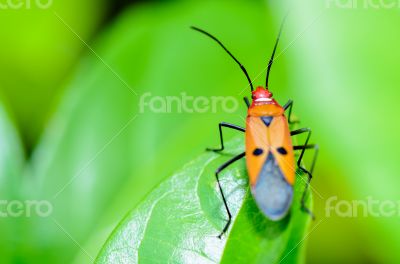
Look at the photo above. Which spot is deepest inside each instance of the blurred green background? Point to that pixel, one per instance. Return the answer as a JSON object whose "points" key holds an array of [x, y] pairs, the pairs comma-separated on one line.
{"points": [[71, 131]]}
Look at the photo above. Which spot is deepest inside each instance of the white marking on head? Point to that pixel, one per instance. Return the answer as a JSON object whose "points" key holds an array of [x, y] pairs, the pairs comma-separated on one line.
{"points": [[263, 100]]}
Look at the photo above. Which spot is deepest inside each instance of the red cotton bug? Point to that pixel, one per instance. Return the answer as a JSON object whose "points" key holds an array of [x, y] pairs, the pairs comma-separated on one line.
{"points": [[269, 151]]}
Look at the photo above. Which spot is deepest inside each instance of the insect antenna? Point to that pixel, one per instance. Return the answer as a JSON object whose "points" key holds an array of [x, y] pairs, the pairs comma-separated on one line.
{"points": [[273, 53], [230, 54]]}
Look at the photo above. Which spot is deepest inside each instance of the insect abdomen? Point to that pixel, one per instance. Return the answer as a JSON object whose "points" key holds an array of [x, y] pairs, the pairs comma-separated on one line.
{"points": [[272, 193]]}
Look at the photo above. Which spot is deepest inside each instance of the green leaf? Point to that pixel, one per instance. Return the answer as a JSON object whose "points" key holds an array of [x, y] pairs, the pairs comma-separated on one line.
{"points": [[180, 220]]}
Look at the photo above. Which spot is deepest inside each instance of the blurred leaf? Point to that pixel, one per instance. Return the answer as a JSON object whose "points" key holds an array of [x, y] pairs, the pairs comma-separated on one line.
{"points": [[346, 88], [39, 45], [181, 219], [11, 156], [11, 168]]}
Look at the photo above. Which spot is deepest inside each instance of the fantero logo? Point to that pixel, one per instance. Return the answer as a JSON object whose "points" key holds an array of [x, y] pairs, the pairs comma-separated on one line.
{"points": [[187, 104], [25, 4], [28, 208], [365, 4]]}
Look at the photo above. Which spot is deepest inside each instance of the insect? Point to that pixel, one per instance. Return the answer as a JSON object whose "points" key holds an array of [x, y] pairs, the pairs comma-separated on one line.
{"points": [[269, 153]]}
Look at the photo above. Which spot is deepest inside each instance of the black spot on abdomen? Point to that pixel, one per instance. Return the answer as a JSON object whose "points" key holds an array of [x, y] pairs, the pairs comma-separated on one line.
{"points": [[282, 150], [258, 152]]}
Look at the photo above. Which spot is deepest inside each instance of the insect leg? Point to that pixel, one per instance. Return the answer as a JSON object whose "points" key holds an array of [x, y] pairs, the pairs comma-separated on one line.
{"points": [[246, 100], [309, 173], [221, 168], [289, 106], [315, 148], [221, 125]]}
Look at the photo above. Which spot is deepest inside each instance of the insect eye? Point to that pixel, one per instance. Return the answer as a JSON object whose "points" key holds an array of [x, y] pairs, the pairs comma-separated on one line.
{"points": [[282, 150], [257, 152]]}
